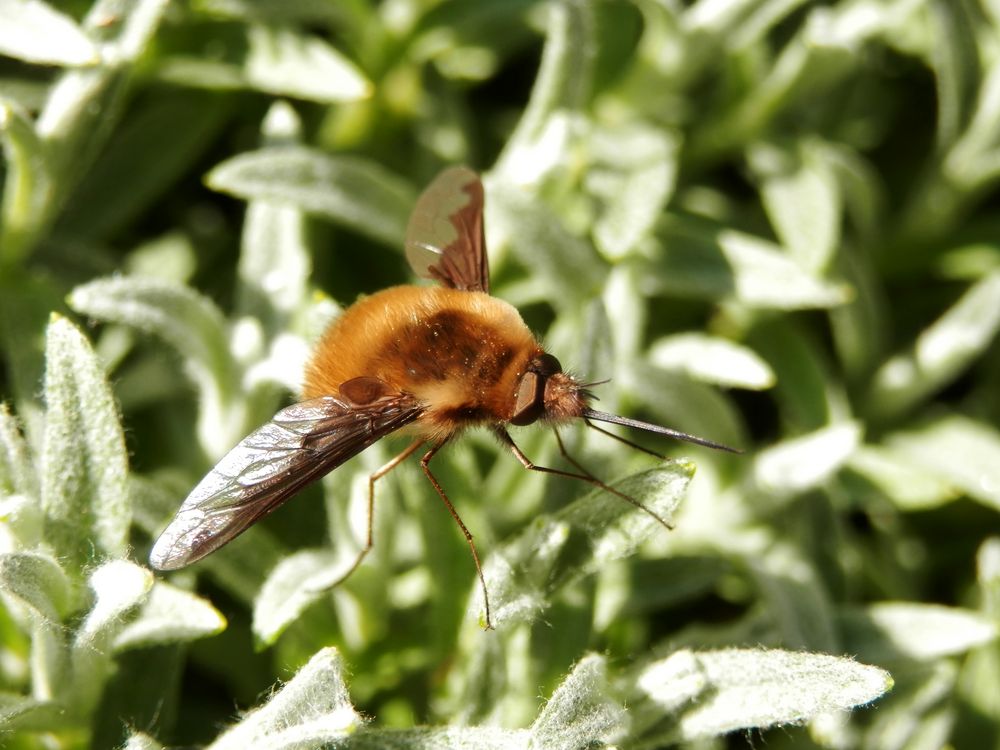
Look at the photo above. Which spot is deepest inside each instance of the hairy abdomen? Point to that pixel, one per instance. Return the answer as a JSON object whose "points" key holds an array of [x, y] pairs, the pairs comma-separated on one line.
{"points": [[461, 353]]}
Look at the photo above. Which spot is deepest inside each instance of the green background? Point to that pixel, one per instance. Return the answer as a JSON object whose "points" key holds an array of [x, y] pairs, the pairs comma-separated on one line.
{"points": [[768, 222]]}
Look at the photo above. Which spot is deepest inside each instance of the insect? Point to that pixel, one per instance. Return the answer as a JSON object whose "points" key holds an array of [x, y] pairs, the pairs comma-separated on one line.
{"points": [[427, 361]]}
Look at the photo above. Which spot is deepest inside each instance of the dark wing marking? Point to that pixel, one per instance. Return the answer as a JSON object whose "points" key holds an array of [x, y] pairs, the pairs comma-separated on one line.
{"points": [[444, 239], [302, 443]]}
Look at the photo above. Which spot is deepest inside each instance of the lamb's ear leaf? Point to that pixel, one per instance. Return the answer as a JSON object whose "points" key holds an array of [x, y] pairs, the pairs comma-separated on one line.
{"points": [[84, 462], [715, 692], [311, 709]]}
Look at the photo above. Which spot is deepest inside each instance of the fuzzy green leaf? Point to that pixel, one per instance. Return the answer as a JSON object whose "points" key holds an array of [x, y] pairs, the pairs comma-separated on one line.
{"points": [[581, 711], [22, 521], [561, 86], [193, 326], [51, 662], [960, 451], [941, 352], [139, 741], [803, 202], [284, 62], [713, 262], [988, 574], [578, 540], [17, 472], [438, 738], [766, 278], [666, 685], [281, 11], [712, 360], [169, 615], [808, 393], [312, 709], [30, 714], [79, 113], [38, 581], [801, 463], [680, 402], [167, 136], [35, 32], [28, 182], [131, 23], [84, 495], [119, 586], [543, 244], [295, 583], [275, 262], [761, 688], [904, 479], [633, 178], [359, 193], [909, 630], [974, 158], [794, 598], [618, 321]]}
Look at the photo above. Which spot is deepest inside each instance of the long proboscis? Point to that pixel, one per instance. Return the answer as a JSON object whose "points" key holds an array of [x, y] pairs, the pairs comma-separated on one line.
{"points": [[602, 416]]}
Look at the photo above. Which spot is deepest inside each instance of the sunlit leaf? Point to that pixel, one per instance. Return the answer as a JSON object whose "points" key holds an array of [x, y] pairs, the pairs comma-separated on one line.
{"points": [[904, 479], [169, 615], [633, 177], [702, 260], [311, 709], [581, 711], [712, 360], [357, 192], [561, 86], [909, 630], [757, 688], [798, 464], [803, 202], [941, 352], [191, 324], [84, 495], [282, 61], [274, 261], [554, 550], [958, 450], [38, 581], [17, 473], [296, 582], [35, 32]]}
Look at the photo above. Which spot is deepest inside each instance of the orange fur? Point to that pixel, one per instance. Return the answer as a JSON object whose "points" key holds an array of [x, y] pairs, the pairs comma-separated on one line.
{"points": [[461, 353]]}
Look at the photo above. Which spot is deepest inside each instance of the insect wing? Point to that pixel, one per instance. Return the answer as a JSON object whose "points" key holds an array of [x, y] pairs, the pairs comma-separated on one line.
{"points": [[302, 443], [444, 239]]}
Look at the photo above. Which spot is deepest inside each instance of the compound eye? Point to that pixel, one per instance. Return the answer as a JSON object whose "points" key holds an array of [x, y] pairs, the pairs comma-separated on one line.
{"points": [[530, 399], [546, 365]]}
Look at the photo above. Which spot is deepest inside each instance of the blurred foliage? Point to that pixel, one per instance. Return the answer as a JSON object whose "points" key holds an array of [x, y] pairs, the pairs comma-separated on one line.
{"points": [[769, 222]]}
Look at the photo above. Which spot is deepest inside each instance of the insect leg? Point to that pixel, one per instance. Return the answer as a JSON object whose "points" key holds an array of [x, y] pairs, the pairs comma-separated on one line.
{"points": [[454, 514], [584, 475], [374, 477]]}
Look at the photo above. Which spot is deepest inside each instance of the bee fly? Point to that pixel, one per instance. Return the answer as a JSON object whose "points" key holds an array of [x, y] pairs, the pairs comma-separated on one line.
{"points": [[424, 361]]}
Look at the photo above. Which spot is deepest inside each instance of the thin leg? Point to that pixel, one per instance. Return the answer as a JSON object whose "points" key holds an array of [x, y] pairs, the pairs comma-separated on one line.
{"points": [[454, 514], [565, 454], [375, 476], [585, 475]]}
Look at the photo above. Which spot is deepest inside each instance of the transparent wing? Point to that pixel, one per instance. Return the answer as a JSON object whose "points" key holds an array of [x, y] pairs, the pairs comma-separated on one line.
{"points": [[302, 443], [444, 239]]}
